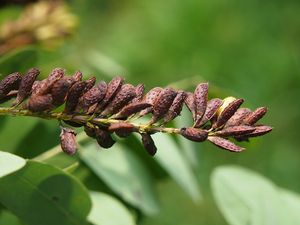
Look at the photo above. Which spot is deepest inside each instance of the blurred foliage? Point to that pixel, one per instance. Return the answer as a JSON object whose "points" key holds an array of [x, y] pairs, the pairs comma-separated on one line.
{"points": [[249, 49]]}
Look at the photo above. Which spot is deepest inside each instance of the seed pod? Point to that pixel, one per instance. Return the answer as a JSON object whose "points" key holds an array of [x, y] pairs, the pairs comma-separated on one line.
{"points": [[131, 109], [259, 131], [235, 131], [40, 103], [77, 76], [225, 144], [149, 144], [94, 95], [60, 89], [226, 102], [139, 91], [190, 104], [150, 98], [194, 134], [68, 141], [228, 112], [176, 107], [163, 103], [73, 96], [255, 116], [9, 96], [91, 132], [9, 83], [26, 85], [126, 94], [238, 117], [45, 86], [104, 138], [212, 106], [122, 129], [113, 88], [35, 86], [200, 98], [89, 84]]}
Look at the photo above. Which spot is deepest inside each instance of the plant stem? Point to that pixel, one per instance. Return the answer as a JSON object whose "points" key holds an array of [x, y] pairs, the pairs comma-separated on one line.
{"points": [[84, 119]]}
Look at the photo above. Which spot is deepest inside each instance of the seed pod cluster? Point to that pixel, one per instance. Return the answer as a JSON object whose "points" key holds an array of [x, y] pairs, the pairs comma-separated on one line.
{"points": [[106, 109]]}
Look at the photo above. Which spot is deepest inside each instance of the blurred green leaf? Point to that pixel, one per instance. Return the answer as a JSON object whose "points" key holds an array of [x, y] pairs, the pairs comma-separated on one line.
{"points": [[42, 194], [18, 60], [188, 147], [104, 64], [245, 197], [107, 210], [8, 218], [291, 203], [14, 130], [170, 157], [124, 174], [10, 163]]}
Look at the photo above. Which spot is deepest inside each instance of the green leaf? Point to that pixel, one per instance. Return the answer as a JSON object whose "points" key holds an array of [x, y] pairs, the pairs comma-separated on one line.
{"points": [[107, 210], [245, 197], [188, 147], [170, 157], [291, 203], [124, 174], [10, 163], [18, 60], [42, 194], [7, 217], [12, 133], [104, 64]]}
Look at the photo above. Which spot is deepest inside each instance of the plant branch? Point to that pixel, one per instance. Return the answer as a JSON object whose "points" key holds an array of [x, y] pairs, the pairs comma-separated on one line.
{"points": [[85, 119]]}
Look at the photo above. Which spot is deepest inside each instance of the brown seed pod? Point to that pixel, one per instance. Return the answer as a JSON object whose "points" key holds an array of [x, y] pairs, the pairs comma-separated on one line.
{"points": [[148, 144], [9, 96], [91, 132], [60, 89], [9, 83], [89, 84], [104, 138], [77, 76], [122, 129], [228, 112], [259, 131], [150, 98], [190, 104], [194, 134], [212, 107], [176, 107], [162, 103], [92, 96], [45, 86], [40, 103], [238, 117], [131, 109], [255, 116], [125, 95], [200, 98], [73, 96], [235, 131], [225, 144], [139, 91], [68, 141], [26, 85], [113, 88]]}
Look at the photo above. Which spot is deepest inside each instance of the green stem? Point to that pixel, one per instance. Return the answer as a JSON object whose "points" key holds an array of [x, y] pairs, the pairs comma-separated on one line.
{"points": [[82, 119]]}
